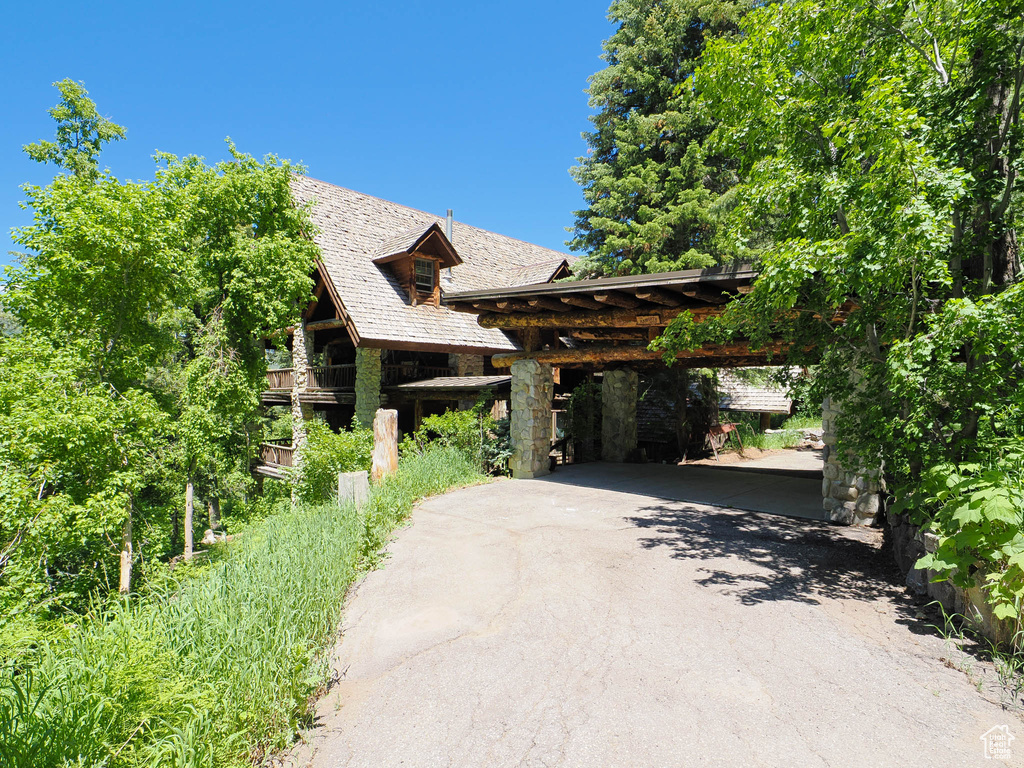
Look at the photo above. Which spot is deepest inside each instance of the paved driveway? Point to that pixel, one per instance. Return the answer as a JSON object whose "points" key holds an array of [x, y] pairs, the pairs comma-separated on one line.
{"points": [[547, 623]]}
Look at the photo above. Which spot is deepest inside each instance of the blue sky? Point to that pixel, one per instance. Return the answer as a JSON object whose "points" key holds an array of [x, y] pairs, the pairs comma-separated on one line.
{"points": [[475, 106]]}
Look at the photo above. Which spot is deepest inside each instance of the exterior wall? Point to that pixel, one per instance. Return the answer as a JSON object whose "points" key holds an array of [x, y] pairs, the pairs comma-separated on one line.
{"points": [[302, 348], [850, 490], [618, 420], [533, 388], [367, 384]]}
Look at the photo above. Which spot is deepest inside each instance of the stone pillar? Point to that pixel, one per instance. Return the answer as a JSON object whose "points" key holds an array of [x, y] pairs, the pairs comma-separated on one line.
{"points": [[849, 488], [533, 388], [302, 348], [618, 414], [367, 384]]}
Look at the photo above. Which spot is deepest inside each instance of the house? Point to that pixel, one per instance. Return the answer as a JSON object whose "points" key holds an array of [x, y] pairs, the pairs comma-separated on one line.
{"points": [[377, 331]]}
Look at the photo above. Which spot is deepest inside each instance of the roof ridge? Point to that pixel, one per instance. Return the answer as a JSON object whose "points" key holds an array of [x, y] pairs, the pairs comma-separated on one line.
{"points": [[568, 256]]}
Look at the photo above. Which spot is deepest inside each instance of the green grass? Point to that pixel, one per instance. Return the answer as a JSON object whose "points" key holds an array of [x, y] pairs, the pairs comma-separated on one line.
{"points": [[753, 437], [214, 668]]}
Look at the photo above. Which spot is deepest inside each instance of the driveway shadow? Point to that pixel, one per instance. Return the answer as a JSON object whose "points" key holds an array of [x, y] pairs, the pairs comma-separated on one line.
{"points": [[796, 560]]}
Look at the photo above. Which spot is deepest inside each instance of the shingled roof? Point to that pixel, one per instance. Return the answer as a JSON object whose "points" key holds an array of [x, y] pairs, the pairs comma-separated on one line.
{"points": [[353, 229]]}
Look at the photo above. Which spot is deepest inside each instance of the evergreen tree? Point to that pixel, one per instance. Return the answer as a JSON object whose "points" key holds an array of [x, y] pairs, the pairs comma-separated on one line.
{"points": [[649, 180]]}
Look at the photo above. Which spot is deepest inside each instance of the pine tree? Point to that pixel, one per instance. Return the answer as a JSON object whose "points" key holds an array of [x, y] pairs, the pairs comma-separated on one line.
{"points": [[650, 184]]}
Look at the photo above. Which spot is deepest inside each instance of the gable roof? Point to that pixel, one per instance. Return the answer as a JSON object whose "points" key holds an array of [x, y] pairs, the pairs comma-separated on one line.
{"points": [[354, 229]]}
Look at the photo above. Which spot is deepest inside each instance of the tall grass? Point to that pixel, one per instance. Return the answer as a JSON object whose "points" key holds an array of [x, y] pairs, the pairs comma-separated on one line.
{"points": [[213, 670]]}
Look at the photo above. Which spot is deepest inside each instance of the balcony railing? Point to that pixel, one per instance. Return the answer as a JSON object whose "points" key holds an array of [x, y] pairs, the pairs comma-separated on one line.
{"points": [[280, 378], [399, 374], [276, 454], [331, 377], [343, 377]]}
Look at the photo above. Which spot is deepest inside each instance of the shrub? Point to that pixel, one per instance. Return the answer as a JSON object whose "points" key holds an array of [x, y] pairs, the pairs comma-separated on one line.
{"points": [[485, 441], [325, 454], [977, 511]]}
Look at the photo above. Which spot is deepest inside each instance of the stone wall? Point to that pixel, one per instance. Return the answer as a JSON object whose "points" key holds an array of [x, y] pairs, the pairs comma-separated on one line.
{"points": [[618, 414], [367, 384], [302, 348], [849, 489], [533, 388], [466, 365]]}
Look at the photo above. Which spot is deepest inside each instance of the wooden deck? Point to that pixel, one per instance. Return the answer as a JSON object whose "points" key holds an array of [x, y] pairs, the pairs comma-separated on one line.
{"points": [[337, 383]]}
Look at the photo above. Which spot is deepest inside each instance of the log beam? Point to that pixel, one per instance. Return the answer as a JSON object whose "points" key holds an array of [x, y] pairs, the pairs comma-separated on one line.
{"points": [[549, 304], [582, 302], [617, 299], [619, 318], [658, 296], [613, 354]]}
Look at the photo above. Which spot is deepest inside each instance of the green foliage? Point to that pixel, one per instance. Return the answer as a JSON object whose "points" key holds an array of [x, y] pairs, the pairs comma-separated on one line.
{"points": [[325, 454], [879, 155], [977, 511], [214, 668], [649, 179], [81, 133], [77, 458], [141, 310], [483, 440]]}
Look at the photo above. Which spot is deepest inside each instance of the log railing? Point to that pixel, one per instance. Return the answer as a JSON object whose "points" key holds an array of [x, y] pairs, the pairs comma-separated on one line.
{"points": [[331, 377], [397, 374], [280, 378], [276, 454]]}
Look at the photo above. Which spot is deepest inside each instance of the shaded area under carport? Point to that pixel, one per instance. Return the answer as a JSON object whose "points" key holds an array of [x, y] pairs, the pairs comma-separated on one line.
{"points": [[775, 492]]}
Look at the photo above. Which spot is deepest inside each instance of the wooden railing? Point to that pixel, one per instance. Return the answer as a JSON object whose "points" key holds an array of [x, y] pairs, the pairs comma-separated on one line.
{"points": [[397, 374], [344, 376], [280, 378], [276, 454], [331, 377]]}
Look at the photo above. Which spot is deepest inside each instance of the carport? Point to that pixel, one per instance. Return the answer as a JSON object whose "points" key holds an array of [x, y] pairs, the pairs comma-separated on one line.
{"points": [[606, 324]]}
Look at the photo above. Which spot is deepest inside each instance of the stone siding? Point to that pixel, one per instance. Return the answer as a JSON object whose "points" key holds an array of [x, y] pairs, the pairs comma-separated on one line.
{"points": [[618, 420], [533, 388], [302, 348], [849, 496], [367, 384], [466, 365]]}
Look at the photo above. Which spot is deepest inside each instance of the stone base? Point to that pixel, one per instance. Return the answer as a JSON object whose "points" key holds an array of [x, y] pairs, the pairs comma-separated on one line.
{"points": [[849, 497], [367, 385]]}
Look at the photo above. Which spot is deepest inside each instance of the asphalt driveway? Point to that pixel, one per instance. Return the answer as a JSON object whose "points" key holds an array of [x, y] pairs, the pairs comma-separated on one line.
{"points": [[550, 623]]}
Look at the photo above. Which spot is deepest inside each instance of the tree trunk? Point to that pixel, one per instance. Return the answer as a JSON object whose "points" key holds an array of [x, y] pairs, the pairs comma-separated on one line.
{"points": [[214, 512], [125, 584], [189, 510]]}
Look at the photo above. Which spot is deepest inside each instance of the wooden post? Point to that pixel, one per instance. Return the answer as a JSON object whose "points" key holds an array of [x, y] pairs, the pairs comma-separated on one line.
{"points": [[353, 487], [385, 444], [766, 421]]}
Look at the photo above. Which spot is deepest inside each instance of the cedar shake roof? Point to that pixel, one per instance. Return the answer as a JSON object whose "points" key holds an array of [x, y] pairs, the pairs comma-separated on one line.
{"points": [[353, 229], [734, 394]]}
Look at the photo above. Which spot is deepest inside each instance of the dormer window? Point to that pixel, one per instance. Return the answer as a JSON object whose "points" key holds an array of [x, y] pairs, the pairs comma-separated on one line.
{"points": [[426, 276], [415, 258]]}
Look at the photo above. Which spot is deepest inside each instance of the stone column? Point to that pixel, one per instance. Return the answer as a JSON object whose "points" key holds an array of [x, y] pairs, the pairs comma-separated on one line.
{"points": [[466, 365], [302, 348], [367, 384], [618, 408], [533, 388], [849, 488]]}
